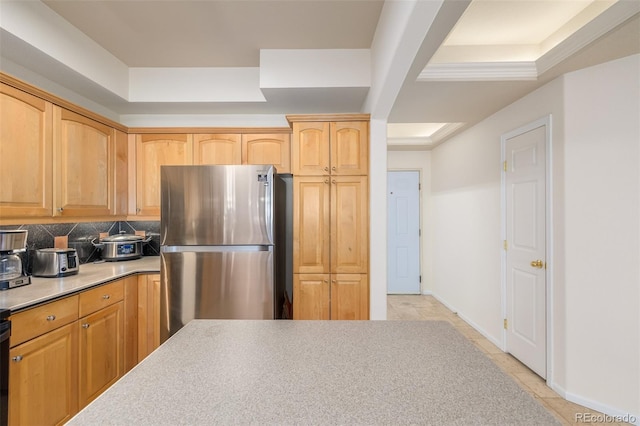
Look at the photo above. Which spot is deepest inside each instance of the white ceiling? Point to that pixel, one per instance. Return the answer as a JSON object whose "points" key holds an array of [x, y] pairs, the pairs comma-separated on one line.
{"points": [[473, 59]]}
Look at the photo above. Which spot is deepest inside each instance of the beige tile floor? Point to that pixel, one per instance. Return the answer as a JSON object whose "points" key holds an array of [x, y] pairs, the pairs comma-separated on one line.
{"points": [[428, 308]]}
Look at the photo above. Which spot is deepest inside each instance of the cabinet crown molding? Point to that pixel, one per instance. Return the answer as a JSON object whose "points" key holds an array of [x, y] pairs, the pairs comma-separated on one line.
{"points": [[327, 117]]}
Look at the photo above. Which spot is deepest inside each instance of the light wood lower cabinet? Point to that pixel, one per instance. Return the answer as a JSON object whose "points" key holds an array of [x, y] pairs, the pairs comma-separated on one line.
{"points": [[43, 378], [311, 297], [101, 351], [67, 352], [330, 296], [148, 314]]}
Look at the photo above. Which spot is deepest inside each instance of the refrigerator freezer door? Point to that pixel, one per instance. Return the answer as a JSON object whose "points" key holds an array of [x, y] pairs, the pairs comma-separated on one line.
{"points": [[216, 205], [215, 285]]}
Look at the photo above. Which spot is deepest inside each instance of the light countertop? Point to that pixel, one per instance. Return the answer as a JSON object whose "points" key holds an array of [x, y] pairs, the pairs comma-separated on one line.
{"points": [[90, 274], [242, 372]]}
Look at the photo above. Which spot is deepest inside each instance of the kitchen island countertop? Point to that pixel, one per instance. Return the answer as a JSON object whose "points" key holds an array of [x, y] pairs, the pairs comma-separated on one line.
{"points": [[42, 290], [314, 372]]}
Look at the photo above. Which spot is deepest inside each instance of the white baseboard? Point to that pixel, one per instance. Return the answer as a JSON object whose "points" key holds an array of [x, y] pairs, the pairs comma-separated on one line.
{"points": [[427, 293], [471, 323], [613, 415]]}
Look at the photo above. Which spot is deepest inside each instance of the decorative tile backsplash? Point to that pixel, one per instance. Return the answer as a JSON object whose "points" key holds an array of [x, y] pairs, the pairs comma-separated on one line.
{"points": [[81, 235]]}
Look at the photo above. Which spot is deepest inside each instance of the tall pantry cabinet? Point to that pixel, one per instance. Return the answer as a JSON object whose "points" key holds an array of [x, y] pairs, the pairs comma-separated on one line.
{"points": [[330, 217]]}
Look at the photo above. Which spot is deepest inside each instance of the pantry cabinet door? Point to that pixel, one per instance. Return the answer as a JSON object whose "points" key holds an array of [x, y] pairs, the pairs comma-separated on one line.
{"points": [[25, 155], [84, 169], [349, 297], [272, 149], [349, 224], [217, 149], [153, 151], [311, 225], [350, 148], [311, 297], [310, 148]]}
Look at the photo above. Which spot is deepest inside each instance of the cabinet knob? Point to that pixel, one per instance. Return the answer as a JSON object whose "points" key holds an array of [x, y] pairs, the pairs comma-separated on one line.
{"points": [[333, 168], [85, 325], [326, 181], [138, 210], [51, 317], [17, 358], [60, 209], [326, 169], [333, 181], [106, 297]]}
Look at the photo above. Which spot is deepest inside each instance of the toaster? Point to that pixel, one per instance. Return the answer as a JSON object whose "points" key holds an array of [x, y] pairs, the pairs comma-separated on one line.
{"points": [[55, 262]]}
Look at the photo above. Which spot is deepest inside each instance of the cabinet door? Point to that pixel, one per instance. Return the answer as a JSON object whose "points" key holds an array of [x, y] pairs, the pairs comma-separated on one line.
{"points": [[25, 155], [101, 351], [311, 225], [350, 148], [268, 149], [310, 148], [43, 378], [84, 165], [153, 151], [349, 297], [131, 321], [217, 149], [349, 224], [148, 314], [311, 297]]}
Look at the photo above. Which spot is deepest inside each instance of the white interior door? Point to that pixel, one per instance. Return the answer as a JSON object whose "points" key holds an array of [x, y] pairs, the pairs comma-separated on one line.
{"points": [[403, 232], [525, 200]]}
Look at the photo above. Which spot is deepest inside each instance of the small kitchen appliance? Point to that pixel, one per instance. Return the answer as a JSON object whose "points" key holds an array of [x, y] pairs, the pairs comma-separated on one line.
{"points": [[55, 262], [12, 242], [121, 246]]}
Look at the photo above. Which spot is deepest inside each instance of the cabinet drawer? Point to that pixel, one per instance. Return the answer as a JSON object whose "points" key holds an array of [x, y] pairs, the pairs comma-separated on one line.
{"points": [[37, 321], [100, 297]]}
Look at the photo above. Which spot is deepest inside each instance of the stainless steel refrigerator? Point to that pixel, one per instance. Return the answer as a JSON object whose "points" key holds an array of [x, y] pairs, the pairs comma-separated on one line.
{"points": [[220, 230]]}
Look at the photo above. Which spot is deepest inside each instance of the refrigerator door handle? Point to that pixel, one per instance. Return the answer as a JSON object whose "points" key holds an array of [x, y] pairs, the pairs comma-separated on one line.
{"points": [[203, 249]]}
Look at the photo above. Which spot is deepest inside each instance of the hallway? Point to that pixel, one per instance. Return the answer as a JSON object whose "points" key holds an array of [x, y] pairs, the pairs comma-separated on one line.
{"points": [[427, 308]]}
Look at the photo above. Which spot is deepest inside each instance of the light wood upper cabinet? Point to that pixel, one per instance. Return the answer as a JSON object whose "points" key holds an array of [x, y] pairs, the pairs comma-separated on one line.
{"points": [[323, 148], [121, 173], [349, 224], [84, 168], [26, 139], [153, 151], [310, 149], [349, 147], [43, 378], [267, 149], [217, 149]]}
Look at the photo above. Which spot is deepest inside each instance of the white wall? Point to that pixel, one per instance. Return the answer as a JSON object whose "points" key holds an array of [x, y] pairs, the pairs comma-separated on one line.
{"points": [[465, 199], [595, 201], [602, 184], [421, 161]]}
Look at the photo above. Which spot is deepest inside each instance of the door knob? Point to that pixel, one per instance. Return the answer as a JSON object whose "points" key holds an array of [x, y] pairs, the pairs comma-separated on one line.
{"points": [[537, 264]]}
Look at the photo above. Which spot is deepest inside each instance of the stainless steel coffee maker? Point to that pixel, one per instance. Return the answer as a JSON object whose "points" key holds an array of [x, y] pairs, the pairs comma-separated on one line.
{"points": [[12, 242]]}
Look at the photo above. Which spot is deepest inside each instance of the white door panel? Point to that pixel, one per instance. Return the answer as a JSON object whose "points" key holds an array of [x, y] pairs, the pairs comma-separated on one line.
{"points": [[403, 226], [525, 215]]}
